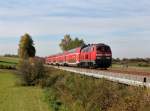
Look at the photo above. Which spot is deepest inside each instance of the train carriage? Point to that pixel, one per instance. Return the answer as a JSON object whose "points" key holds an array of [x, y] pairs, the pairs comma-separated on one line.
{"points": [[72, 57], [61, 59]]}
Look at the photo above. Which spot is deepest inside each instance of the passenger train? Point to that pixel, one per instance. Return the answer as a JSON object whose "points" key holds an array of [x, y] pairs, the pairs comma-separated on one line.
{"points": [[92, 55]]}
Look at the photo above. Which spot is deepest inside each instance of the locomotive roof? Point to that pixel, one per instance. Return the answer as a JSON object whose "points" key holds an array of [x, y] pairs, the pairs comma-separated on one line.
{"points": [[99, 44]]}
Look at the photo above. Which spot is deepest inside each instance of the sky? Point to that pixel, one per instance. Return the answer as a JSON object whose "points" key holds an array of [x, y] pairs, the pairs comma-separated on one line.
{"points": [[122, 24]]}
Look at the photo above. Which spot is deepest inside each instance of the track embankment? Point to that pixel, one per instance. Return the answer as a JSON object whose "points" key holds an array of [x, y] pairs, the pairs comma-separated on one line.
{"points": [[120, 77]]}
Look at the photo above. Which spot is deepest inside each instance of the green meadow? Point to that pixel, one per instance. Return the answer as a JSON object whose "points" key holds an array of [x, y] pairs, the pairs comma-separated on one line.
{"points": [[8, 60], [14, 97]]}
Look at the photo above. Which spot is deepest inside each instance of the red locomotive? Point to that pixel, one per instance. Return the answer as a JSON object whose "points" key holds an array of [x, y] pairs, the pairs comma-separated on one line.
{"points": [[92, 55]]}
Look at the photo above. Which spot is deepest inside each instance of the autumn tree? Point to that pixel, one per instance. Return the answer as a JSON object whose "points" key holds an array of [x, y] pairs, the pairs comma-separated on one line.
{"points": [[31, 69], [26, 47], [68, 43]]}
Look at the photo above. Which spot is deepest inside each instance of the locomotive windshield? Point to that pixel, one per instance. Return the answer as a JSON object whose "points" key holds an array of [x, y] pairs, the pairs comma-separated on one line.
{"points": [[102, 49]]}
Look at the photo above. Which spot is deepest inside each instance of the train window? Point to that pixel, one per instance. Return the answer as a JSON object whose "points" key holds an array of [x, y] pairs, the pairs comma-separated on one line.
{"points": [[103, 49], [89, 49], [107, 49], [71, 51], [86, 56], [86, 49], [93, 49], [82, 50], [100, 49]]}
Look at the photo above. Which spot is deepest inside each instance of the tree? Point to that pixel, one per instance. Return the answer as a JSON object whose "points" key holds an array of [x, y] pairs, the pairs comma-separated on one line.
{"points": [[32, 69], [26, 47], [68, 43]]}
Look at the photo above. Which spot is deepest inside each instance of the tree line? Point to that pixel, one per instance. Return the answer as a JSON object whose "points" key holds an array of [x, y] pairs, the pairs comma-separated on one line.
{"points": [[142, 62]]}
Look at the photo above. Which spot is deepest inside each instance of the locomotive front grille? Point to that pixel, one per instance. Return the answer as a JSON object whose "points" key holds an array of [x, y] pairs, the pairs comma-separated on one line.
{"points": [[103, 61], [99, 58]]}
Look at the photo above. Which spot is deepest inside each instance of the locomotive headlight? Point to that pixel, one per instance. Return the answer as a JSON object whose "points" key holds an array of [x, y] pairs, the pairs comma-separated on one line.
{"points": [[108, 58], [99, 57]]}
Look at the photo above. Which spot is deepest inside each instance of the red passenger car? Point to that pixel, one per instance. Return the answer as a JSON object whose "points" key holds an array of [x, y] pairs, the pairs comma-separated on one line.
{"points": [[73, 57]]}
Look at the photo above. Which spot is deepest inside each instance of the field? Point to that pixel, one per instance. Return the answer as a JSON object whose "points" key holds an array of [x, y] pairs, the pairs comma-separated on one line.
{"points": [[17, 98], [11, 60], [132, 65], [8, 61], [130, 69]]}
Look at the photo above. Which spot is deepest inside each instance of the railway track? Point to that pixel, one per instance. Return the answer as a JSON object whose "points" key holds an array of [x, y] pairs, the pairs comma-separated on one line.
{"points": [[124, 78]]}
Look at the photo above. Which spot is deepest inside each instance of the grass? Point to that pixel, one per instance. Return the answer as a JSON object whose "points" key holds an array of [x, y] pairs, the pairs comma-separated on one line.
{"points": [[18, 98], [131, 67], [8, 60]]}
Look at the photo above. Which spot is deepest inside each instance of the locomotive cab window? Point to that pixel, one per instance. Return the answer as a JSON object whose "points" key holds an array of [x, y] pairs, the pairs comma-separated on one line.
{"points": [[107, 49], [103, 49]]}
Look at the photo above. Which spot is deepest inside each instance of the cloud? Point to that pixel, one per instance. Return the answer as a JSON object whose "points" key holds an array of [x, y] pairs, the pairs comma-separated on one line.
{"points": [[115, 22], [110, 8], [75, 8], [86, 26]]}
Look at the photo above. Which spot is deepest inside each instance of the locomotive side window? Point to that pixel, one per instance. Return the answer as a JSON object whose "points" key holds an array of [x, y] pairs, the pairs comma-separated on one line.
{"points": [[88, 49], [83, 50]]}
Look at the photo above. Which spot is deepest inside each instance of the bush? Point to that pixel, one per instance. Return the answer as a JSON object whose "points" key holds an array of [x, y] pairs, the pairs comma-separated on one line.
{"points": [[143, 64], [7, 66], [32, 73]]}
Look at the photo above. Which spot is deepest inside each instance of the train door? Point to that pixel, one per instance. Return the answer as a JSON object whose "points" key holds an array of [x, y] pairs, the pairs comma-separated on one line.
{"points": [[87, 54]]}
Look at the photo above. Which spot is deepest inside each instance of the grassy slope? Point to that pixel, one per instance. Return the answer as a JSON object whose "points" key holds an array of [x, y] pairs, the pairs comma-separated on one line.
{"points": [[80, 93], [17, 98]]}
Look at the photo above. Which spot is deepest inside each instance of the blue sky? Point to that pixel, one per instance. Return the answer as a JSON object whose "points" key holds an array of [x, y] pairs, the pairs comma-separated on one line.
{"points": [[122, 24]]}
